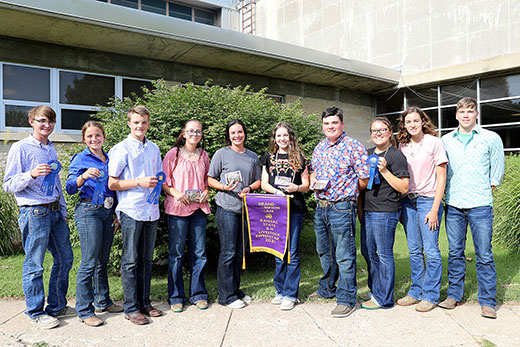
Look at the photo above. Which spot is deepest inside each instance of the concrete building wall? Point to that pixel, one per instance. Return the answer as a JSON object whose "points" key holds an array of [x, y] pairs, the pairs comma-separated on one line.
{"points": [[415, 36]]}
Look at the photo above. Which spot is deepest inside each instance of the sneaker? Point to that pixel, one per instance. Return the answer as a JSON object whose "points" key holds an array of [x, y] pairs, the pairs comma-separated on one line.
{"points": [[425, 306], [93, 321], [236, 304], [46, 322], [370, 305], [407, 301], [277, 300], [288, 304], [201, 304], [176, 307], [114, 308], [247, 299], [342, 311], [488, 312], [65, 312], [364, 297], [448, 304]]}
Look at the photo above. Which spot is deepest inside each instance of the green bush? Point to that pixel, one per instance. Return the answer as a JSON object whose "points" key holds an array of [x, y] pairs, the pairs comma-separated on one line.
{"points": [[10, 240], [506, 231], [214, 106]]}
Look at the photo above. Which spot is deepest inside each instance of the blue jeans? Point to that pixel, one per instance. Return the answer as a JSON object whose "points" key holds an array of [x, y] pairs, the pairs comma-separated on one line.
{"points": [[42, 230], [193, 229], [229, 225], [380, 236], [335, 230], [287, 275], [480, 220], [422, 243], [94, 223], [136, 262]]}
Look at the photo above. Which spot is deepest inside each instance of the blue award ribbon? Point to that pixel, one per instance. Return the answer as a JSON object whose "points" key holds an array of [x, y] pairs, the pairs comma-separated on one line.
{"points": [[156, 192], [47, 186], [97, 198], [374, 173]]}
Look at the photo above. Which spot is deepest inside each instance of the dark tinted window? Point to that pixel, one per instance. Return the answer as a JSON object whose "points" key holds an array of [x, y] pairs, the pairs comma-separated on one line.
{"points": [[452, 93], [85, 89], [423, 98], [74, 119], [499, 87], [26, 83], [16, 116], [390, 103]]}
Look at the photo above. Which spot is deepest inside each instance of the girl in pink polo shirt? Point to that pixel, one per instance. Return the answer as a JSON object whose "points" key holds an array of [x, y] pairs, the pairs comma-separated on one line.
{"points": [[186, 166], [422, 210]]}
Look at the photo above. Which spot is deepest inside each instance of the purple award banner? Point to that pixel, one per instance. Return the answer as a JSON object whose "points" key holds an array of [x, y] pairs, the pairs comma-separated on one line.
{"points": [[268, 223]]}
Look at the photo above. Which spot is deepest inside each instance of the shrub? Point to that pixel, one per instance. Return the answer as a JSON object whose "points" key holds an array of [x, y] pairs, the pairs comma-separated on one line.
{"points": [[214, 106], [10, 240], [506, 231]]}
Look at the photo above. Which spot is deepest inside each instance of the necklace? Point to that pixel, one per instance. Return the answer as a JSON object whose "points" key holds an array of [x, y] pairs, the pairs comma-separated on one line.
{"points": [[412, 154], [386, 150], [189, 154]]}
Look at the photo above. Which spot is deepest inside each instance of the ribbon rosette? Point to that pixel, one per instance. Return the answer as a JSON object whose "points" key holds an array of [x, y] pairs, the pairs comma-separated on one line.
{"points": [[156, 192], [47, 186], [97, 198], [374, 174]]}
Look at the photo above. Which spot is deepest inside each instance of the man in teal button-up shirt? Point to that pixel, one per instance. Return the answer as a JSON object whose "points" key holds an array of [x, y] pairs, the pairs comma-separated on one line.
{"points": [[475, 168]]}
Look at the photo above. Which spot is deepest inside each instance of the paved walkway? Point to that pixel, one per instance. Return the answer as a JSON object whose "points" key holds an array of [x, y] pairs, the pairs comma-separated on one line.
{"points": [[263, 324]]}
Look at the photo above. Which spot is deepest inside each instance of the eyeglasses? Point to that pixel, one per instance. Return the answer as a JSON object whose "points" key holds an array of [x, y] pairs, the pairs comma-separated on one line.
{"points": [[379, 131], [194, 132], [44, 122]]}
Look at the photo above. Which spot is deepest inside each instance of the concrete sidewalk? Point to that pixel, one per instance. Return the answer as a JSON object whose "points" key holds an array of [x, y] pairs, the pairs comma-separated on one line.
{"points": [[262, 324]]}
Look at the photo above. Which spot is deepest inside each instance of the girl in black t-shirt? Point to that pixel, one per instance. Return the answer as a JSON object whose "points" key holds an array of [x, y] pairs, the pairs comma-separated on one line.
{"points": [[284, 171], [380, 214]]}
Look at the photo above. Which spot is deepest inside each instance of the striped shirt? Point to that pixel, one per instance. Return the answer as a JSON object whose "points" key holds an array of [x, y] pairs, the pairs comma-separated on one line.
{"points": [[23, 156], [473, 167]]}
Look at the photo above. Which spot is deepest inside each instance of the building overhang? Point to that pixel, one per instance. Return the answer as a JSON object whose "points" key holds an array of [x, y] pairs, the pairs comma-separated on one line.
{"points": [[103, 27]]}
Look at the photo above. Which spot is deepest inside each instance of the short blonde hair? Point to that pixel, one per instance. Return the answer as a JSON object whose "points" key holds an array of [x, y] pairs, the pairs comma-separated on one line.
{"points": [[467, 102], [140, 110]]}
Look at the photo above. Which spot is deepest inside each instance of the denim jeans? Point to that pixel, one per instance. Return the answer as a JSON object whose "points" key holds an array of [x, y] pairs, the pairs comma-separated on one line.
{"points": [[380, 236], [480, 220], [287, 275], [229, 225], [94, 223], [192, 229], [335, 229], [42, 230], [136, 262], [422, 243], [364, 251]]}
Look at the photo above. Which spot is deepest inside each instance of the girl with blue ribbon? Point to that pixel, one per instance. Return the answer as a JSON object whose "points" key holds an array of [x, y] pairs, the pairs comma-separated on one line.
{"points": [[94, 217], [381, 208]]}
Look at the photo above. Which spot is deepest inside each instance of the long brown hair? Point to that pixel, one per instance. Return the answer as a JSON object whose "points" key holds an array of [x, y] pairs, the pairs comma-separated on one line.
{"points": [[388, 124], [427, 127], [295, 154]]}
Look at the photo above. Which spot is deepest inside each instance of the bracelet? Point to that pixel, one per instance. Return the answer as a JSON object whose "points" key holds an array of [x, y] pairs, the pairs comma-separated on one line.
{"points": [[138, 182], [82, 177]]}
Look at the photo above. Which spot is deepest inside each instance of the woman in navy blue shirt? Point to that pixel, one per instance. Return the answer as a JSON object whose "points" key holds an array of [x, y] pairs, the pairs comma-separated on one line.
{"points": [[89, 170]]}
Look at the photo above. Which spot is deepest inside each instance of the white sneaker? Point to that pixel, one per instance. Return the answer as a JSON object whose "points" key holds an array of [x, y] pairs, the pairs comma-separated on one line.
{"points": [[236, 304], [247, 299], [277, 300], [46, 322], [288, 304]]}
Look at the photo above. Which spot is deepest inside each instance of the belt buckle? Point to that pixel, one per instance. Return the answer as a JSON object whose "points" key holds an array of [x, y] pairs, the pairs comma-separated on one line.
{"points": [[109, 202], [412, 196], [323, 203]]}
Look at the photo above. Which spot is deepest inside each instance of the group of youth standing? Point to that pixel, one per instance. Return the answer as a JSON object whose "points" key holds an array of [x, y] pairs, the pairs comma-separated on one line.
{"points": [[114, 188], [466, 164]]}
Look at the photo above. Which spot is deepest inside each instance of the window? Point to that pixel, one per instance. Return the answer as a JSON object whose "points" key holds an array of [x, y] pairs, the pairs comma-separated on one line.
{"points": [[174, 9], [73, 95], [498, 100]]}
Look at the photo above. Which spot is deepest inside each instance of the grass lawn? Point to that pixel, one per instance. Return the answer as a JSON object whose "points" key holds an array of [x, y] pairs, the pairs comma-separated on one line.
{"points": [[257, 279]]}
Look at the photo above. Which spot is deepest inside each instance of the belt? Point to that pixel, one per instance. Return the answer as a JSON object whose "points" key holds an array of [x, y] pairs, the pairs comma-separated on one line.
{"points": [[108, 202], [325, 203], [53, 206], [412, 196]]}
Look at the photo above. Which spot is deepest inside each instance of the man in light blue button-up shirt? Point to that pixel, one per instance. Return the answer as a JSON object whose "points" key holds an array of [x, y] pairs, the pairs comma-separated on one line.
{"points": [[475, 168], [134, 163]]}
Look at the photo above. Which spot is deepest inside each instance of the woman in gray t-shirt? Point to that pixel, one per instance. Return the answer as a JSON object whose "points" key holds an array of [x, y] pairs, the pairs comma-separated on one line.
{"points": [[234, 171]]}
